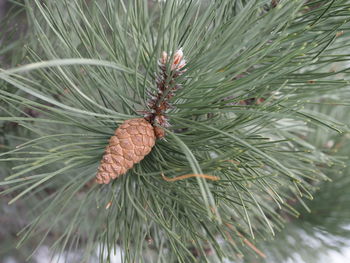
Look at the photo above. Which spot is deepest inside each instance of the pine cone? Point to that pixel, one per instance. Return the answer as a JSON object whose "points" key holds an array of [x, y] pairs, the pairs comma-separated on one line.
{"points": [[131, 142]]}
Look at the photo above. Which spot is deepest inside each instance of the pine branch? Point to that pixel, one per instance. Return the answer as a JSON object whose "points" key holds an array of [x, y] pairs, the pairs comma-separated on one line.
{"points": [[92, 65]]}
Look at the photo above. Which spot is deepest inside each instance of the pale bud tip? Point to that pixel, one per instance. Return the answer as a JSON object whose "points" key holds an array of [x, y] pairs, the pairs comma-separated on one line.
{"points": [[178, 56], [164, 58], [178, 61]]}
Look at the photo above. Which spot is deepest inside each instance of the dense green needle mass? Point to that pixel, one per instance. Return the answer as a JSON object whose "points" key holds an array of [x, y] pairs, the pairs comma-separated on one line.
{"points": [[245, 113]]}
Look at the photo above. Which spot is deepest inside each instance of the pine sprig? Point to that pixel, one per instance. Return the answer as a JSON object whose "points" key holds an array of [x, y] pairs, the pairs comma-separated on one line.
{"points": [[92, 65]]}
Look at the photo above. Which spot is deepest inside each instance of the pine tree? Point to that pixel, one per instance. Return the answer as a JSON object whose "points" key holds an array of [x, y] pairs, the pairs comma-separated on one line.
{"points": [[229, 89]]}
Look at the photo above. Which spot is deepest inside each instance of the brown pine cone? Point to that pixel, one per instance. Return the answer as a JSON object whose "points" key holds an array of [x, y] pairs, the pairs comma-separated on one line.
{"points": [[131, 142]]}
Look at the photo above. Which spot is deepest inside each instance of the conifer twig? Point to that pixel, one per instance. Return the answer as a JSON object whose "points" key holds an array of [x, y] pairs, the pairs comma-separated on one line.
{"points": [[166, 88], [186, 176]]}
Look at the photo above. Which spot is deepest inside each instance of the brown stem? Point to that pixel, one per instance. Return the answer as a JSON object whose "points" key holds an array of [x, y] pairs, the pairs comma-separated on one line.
{"points": [[186, 176]]}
